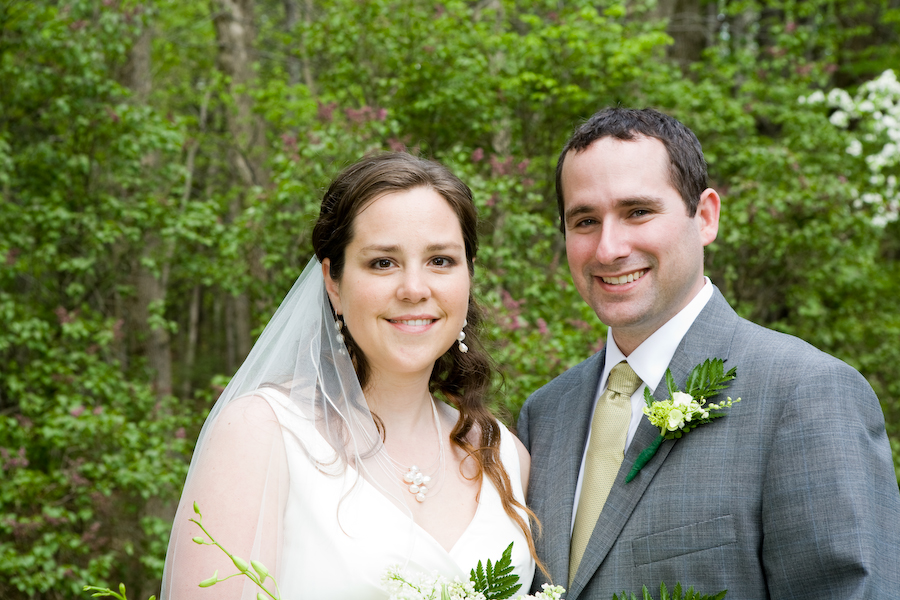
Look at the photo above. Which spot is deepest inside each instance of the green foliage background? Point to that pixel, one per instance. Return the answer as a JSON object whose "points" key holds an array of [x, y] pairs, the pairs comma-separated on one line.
{"points": [[127, 233]]}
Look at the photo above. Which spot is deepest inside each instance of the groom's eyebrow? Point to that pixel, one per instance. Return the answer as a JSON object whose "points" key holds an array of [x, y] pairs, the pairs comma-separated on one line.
{"points": [[581, 209], [651, 202]]}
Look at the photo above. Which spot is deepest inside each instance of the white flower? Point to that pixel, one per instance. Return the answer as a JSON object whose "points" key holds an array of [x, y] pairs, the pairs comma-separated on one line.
{"points": [[816, 97], [676, 419], [840, 119], [682, 399], [548, 592], [855, 148], [840, 98], [880, 220]]}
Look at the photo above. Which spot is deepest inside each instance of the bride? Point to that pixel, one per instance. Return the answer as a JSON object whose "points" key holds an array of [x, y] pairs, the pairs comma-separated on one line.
{"points": [[355, 436]]}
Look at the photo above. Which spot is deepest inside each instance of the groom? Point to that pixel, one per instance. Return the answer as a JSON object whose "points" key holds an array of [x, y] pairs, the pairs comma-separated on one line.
{"points": [[792, 494]]}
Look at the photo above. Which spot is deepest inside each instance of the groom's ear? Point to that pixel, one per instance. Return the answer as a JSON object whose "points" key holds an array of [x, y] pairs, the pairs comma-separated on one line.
{"points": [[332, 287], [708, 215]]}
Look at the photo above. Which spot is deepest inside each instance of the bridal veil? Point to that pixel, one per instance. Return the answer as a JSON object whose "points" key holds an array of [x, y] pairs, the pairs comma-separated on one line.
{"points": [[239, 476]]}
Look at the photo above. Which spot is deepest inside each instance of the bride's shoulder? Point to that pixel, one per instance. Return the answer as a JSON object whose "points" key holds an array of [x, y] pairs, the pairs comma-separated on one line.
{"points": [[251, 411], [265, 403]]}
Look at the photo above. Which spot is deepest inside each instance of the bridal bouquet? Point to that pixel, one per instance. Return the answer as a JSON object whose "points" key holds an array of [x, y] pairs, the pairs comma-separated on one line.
{"points": [[495, 581]]}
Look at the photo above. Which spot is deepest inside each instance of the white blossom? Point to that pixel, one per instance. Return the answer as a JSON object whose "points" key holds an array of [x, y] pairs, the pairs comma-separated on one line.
{"points": [[682, 399], [872, 198], [841, 99], [840, 119], [817, 97], [875, 110]]}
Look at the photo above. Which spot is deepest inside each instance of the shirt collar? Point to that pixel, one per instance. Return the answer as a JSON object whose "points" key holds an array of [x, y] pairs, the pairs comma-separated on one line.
{"points": [[652, 357]]}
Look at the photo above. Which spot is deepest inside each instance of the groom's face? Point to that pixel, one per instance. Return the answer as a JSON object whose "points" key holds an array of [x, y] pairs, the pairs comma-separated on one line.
{"points": [[636, 256]]}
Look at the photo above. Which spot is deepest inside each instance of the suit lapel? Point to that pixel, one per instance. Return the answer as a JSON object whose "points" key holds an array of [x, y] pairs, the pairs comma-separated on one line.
{"points": [[574, 410], [709, 337]]}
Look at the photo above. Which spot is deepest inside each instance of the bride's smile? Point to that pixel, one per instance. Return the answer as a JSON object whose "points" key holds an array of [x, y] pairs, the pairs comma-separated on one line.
{"points": [[413, 324]]}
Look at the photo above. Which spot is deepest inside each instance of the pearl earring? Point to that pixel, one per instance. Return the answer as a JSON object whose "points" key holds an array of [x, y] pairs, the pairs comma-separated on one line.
{"points": [[339, 337], [462, 335]]}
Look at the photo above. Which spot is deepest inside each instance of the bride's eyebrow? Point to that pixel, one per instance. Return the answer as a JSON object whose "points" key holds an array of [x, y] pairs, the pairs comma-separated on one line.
{"points": [[444, 247], [380, 249], [392, 249]]}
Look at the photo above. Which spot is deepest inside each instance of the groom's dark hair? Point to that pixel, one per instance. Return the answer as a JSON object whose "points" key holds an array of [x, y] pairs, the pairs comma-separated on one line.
{"points": [[687, 167]]}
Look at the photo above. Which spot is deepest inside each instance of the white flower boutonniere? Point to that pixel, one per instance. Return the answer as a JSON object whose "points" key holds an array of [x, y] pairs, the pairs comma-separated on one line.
{"points": [[684, 411]]}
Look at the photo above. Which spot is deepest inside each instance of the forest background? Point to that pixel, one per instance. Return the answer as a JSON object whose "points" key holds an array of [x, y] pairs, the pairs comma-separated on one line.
{"points": [[161, 164]]}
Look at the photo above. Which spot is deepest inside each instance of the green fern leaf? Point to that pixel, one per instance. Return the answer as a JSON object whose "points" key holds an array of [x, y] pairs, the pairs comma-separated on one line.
{"points": [[677, 594], [664, 592], [670, 384], [496, 581], [477, 577]]}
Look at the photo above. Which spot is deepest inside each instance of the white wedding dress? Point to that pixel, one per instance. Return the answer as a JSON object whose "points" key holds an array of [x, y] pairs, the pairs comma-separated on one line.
{"points": [[339, 541]]}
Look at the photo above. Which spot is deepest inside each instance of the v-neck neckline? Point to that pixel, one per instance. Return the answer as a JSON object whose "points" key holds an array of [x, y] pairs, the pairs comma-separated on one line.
{"points": [[401, 512], [405, 513]]}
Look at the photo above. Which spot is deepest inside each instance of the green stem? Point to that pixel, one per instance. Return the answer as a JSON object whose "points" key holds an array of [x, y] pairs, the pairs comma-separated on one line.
{"points": [[247, 573], [643, 458]]}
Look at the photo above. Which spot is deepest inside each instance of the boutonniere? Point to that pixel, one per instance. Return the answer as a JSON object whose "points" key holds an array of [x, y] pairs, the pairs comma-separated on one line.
{"points": [[683, 411]]}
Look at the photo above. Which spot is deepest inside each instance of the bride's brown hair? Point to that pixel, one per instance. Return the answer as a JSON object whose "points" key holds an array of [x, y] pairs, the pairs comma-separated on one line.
{"points": [[463, 379]]}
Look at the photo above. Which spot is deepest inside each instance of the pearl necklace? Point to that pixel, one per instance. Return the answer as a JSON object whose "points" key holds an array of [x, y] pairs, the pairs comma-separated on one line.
{"points": [[414, 480]]}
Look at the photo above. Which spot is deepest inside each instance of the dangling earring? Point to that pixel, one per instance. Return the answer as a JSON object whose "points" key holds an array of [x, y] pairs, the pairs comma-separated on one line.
{"points": [[462, 335], [339, 337]]}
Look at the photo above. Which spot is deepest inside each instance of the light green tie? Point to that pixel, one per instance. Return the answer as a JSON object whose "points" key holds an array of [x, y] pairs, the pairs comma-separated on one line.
{"points": [[605, 451]]}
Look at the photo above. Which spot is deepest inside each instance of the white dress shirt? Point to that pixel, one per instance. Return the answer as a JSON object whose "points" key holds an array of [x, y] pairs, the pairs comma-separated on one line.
{"points": [[650, 361]]}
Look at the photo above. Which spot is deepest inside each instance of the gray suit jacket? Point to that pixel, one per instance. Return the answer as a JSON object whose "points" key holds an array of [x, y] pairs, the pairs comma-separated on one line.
{"points": [[791, 495]]}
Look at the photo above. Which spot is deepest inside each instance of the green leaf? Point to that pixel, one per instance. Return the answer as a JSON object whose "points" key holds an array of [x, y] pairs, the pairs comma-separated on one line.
{"points": [[648, 397], [677, 594], [670, 383], [497, 581]]}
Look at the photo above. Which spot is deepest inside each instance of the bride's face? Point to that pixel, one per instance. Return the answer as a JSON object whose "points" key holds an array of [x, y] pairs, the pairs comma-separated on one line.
{"points": [[404, 290]]}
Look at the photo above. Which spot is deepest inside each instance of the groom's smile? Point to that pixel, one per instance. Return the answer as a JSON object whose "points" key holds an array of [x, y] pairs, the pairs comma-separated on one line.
{"points": [[623, 279]]}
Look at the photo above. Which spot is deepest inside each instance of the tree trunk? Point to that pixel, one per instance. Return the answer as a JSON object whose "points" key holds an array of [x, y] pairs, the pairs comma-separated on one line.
{"points": [[309, 7], [190, 352], [150, 283], [150, 297], [298, 63], [294, 66], [691, 23], [501, 135], [234, 32], [233, 21]]}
